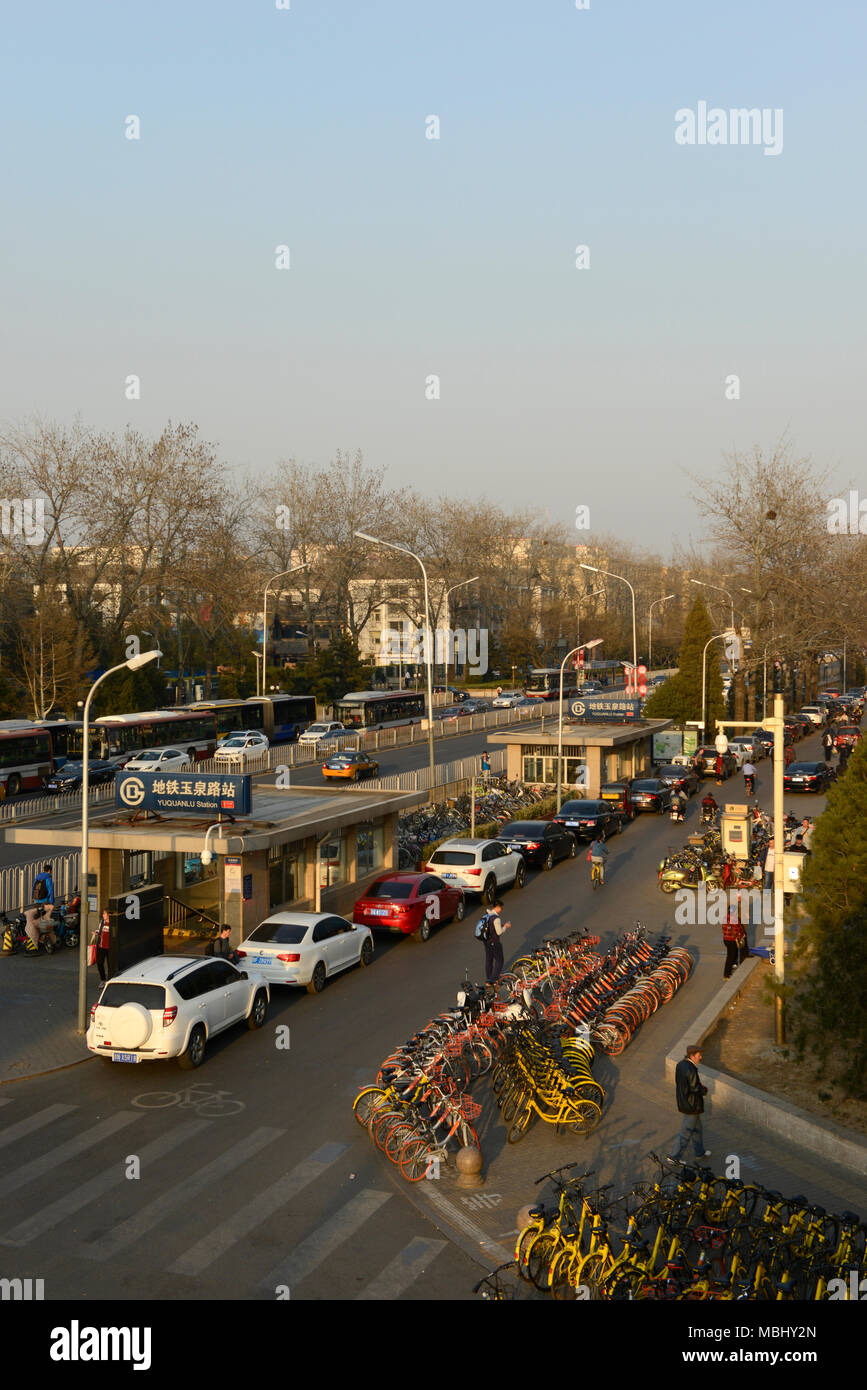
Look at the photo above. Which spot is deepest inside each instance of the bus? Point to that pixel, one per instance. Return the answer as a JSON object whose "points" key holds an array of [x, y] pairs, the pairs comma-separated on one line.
{"points": [[282, 718], [544, 683], [25, 755], [376, 709], [119, 736]]}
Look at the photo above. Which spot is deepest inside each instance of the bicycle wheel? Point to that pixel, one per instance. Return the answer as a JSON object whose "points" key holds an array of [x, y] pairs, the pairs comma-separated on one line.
{"points": [[520, 1124], [156, 1100], [415, 1159], [367, 1100], [540, 1253], [522, 1246], [562, 1281], [397, 1139], [588, 1116], [382, 1122]]}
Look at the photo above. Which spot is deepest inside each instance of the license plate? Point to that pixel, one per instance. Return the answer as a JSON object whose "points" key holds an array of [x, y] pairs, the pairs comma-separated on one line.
{"points": [[448, 875], [261, 960], [378, 911], [125, 1057]]}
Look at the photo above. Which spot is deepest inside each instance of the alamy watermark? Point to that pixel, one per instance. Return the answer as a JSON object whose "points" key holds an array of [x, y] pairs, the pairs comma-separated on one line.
{"points": [[713, 907], [23, 519], [738, 126], [847, 516], [413, 646]]}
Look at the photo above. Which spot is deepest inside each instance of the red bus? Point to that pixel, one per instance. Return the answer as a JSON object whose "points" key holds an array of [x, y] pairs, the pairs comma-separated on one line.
{"points": [[26, 755], [117, 737]]}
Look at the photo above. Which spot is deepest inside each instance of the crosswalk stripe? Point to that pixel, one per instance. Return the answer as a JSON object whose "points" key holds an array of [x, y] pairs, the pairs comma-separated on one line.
{"points": [[98, 1185], [403, 1270], [144, 1220], [52, 1161], [254, 1212], [324, 1240], [34, 1122]]}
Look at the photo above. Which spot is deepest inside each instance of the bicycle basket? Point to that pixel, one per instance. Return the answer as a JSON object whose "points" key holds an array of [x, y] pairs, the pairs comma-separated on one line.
{"points": [[470, 1109]]}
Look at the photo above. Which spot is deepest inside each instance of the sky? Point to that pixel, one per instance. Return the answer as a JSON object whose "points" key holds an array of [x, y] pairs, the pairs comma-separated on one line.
{"points": [[412, 258]]}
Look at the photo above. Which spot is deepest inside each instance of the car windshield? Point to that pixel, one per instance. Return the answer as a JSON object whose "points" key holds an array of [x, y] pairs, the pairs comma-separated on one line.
{"points": [[147, 757], [390, 888], [580, 808], [131, 992], [233, 743], [72, 769], [318, 729], [280, 933], [646, 786], [453, 856], [797, 768], [531, 828]]}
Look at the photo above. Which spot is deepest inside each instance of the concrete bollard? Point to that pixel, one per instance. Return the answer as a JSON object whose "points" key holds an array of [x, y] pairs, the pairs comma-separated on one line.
{"points": [[469, 1166]]}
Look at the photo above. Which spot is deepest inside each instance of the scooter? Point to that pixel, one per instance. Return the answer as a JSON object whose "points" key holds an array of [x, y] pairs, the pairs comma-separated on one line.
{"points": [[677, 813], [66, 921], [708, 815], [15, 938], [674, 876]]}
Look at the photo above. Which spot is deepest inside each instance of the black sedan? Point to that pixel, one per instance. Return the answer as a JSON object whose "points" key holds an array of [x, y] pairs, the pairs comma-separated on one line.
{"points": [[589, 819], [683, 778], [650, 794], [540, 841], [806, 777], [68, 778]]}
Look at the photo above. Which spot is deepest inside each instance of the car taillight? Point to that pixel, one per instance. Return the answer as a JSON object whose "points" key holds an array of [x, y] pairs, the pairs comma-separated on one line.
{"points": [[533, 844], [474, 873], [288, 957], [93, 1012], [169, 1016], [240, 953]]}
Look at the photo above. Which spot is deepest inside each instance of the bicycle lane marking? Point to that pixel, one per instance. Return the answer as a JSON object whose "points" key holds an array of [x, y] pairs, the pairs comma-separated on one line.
{"points": [[149, 1216], [254, 1212], [97, 1186]]}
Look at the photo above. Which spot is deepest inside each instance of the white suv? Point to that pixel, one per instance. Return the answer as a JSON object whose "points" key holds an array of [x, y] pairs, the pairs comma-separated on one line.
{"points": [[814, 713], [478, 866], [168, 1006]]}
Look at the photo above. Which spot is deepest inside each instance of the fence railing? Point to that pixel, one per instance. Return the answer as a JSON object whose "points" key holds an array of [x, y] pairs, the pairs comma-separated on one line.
{"points": [[45, 805]]}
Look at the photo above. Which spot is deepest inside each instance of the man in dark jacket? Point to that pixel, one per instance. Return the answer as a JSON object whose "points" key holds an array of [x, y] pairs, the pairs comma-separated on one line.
{"points": [[690, 1103], [222, 946]]}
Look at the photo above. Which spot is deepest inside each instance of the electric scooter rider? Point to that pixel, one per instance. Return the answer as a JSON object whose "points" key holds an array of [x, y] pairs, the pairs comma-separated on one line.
{"points": [[678, 806], [709, 808]]}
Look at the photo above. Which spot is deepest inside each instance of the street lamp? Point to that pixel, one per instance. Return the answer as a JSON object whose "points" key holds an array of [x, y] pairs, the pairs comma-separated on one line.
{"points": [[715, 638], [705, 585], [133, 664], [650, 627], [585, 647], [281, 575], [581, 597], [595, 570], [404, 550], [448, 591]]}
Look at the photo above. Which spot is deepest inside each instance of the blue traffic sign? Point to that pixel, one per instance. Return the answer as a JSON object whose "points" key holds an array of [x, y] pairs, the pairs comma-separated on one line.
{"points": [[606, 710], [208, 793]]}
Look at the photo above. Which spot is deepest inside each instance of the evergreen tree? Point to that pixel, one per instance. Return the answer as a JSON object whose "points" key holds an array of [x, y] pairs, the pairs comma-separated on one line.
{"points": [[827, 985], [335, 671], [680, 697]]}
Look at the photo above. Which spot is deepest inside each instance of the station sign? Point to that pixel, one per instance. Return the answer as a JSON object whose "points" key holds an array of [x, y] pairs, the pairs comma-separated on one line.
{"points": [[606, 711], [210, 794]]}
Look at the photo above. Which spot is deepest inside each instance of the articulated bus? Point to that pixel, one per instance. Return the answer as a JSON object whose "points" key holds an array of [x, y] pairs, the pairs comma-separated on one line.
{"points": [[282, 718], [377, 709], [118, 736]]}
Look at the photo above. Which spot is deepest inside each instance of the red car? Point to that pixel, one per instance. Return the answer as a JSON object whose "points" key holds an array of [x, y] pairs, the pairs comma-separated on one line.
{"points": [[848, 736], [410, 904]]}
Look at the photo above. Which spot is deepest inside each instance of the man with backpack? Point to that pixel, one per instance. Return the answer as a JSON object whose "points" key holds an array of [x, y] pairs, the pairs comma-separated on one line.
{"points": [[43, 887], [489, 929]]}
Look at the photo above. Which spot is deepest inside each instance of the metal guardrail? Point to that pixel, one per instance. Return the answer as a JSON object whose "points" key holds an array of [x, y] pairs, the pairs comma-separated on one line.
{"points": [[16, 880], [462, 770], [46, 805]]}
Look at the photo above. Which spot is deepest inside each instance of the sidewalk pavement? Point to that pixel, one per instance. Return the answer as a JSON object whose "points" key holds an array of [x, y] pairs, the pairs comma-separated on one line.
{"points": [[639, 1115], [38, 1017]]}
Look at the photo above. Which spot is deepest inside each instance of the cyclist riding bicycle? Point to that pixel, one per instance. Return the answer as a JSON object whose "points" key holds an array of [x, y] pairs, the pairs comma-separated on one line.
{"points": [[597, 854], [709, 808], [749, 778]]}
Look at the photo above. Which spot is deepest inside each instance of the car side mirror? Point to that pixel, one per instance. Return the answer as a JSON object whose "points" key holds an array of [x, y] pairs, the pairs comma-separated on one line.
{"points": [[244, 975]]}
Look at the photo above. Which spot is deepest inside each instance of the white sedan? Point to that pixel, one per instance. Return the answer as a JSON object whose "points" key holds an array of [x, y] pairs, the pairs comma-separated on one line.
{"points": [[241, 748], [159, 760], [305, 948], [507, 699]]}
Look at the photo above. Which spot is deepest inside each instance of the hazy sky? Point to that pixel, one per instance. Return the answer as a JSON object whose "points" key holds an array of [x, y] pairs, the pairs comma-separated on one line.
{"points": [[410, 256]]}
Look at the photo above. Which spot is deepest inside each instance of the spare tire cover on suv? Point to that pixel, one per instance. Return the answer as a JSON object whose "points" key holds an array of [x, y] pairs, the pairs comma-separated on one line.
{"points": [[131, 1025]]}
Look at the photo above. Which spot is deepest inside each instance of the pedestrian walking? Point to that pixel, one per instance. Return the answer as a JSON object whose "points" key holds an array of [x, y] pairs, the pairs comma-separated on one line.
{"points": [[43, 886], [735, 941], [769, 865], [827, 744], [486, 767], [788, 754], [489, 930], [719, 769], [103, 943], [844, 751], [690, 1102]]}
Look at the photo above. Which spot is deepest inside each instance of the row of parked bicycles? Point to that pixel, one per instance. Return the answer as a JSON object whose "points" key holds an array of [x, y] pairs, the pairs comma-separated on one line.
{"points": [[497, 800], [535, 1032], [685, 1235]]}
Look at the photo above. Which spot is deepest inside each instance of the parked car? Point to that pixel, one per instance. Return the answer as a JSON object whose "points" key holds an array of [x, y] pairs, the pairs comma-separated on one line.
{"points": [[159, 760], [684, 779], [409, 904], [351, 767], [756, 749], [478, 866], [709, 756], [68, 778], [169, 1006], [814, 713], [618, 795], [651, 794], [849, 736], [322, 730], [306, 948], [806, 777], [241, 748], [539, 841], [588, 820]]}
